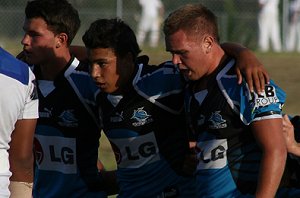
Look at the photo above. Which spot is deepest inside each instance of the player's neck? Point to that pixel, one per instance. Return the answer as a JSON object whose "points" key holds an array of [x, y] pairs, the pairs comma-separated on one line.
{"points": [[50, 69]]}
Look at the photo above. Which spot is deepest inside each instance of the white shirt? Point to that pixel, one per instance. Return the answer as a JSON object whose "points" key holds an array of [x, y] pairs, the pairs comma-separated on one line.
{"points": [[16, 102]]}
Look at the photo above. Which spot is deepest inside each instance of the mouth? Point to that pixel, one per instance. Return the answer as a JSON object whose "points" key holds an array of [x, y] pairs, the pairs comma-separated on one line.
{"points": [[27, 53], [186, 72], [100, 85]]}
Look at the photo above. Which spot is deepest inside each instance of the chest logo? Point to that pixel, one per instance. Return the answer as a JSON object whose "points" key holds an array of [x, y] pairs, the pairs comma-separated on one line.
{"points": [[217, 122], [118, 117], [141, 117], [68, 119]]}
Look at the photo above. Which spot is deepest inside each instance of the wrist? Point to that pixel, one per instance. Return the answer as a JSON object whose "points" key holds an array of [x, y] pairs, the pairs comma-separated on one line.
{"points": [[20, 189]]}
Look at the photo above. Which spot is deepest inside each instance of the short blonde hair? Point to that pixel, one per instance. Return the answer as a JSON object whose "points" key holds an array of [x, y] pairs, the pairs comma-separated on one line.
{"points": [[194, 19]]}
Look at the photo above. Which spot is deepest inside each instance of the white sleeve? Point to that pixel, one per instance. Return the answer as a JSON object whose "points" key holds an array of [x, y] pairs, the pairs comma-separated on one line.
{"points": [[30, 110]]}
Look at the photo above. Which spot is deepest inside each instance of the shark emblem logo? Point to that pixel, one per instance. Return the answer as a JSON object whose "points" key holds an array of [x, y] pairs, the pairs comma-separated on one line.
{"points": [[141, 117], [217, 121], [68, 119]]}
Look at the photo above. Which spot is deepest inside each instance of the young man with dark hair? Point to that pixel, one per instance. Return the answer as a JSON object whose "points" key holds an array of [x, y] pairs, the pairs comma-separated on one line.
{"points": [[68, 130]]}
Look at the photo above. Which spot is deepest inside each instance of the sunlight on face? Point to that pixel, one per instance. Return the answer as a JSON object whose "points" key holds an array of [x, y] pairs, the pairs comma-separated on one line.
{"points": [[187, 53], [103, 69], [111, 73], [38, 41]]}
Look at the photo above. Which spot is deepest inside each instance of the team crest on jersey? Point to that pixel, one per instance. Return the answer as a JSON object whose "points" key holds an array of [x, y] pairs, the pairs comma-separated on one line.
{"points": [[68, 119], [268, 97], [141, 117], [217, 121]]}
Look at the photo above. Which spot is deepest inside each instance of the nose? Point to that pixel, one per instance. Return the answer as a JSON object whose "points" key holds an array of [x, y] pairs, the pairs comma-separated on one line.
{"points": [[25, 40], [175, 59], [95, 71]]}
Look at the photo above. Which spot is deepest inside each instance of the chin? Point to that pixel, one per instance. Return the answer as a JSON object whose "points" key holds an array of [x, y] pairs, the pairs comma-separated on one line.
{"points": [[107, 90]]}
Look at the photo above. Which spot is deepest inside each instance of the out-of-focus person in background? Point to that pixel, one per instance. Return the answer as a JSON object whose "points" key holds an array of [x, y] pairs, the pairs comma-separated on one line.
{"points": [[293, 36], [150, 21], [268, 23]]}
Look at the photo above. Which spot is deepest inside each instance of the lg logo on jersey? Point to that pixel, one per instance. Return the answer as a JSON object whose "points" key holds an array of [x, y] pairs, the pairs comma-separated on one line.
{"points": [[66, 155], [212, 154], [134, 152], [144, 150], [54, 153], [215, 154]]}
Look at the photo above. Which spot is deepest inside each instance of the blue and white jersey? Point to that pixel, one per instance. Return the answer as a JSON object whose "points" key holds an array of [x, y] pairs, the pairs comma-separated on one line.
{"points": [[147, 130], [220, 113], [18, 101], [67, 135]]}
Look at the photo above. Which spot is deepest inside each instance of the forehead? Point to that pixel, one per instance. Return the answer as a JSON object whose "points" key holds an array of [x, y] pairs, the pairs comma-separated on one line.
{"points": [[176, 41], [35, 24], [101, 53]]}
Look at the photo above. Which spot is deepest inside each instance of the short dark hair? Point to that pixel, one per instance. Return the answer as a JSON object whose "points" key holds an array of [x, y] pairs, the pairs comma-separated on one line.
{"points": [[59, 15], [194, 19], [112, 33]]}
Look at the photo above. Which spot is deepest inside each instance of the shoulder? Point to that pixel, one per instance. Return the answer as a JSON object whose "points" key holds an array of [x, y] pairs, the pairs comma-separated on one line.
{"points": [[250, 106], [162, 76], [14, 68], [80, 79]]}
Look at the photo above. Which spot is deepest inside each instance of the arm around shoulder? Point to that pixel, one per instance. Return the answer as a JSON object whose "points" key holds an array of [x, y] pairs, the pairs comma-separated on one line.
{"points": [[248, 65]]}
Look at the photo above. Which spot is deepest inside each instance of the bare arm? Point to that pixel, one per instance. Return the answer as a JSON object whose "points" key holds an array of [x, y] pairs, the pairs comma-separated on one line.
{"points": [[249, 65], [21, 156], [269, 136], [293, 147]]}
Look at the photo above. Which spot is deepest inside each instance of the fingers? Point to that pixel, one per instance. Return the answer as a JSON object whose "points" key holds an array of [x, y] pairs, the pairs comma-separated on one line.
{"points": [[239, 75], [260, 79], [266, 76], [249, 80], [262, 82], [256, 79], [287, 125]]}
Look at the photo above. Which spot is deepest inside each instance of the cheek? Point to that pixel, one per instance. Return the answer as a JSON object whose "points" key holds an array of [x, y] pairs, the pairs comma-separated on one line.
{"points": [[94, 71], [110, 76]]}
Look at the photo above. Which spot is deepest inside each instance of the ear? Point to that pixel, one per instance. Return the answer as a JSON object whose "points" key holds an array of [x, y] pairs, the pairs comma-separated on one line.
{"points": [[61, 39], [208, 42], [128, 59], [126, 63]]}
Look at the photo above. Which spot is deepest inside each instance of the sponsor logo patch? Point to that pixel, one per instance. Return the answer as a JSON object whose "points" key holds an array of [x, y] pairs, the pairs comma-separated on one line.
{"points": [[217, 121], [135, 152], [268, 97], [141, 117], [212, 154]]}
